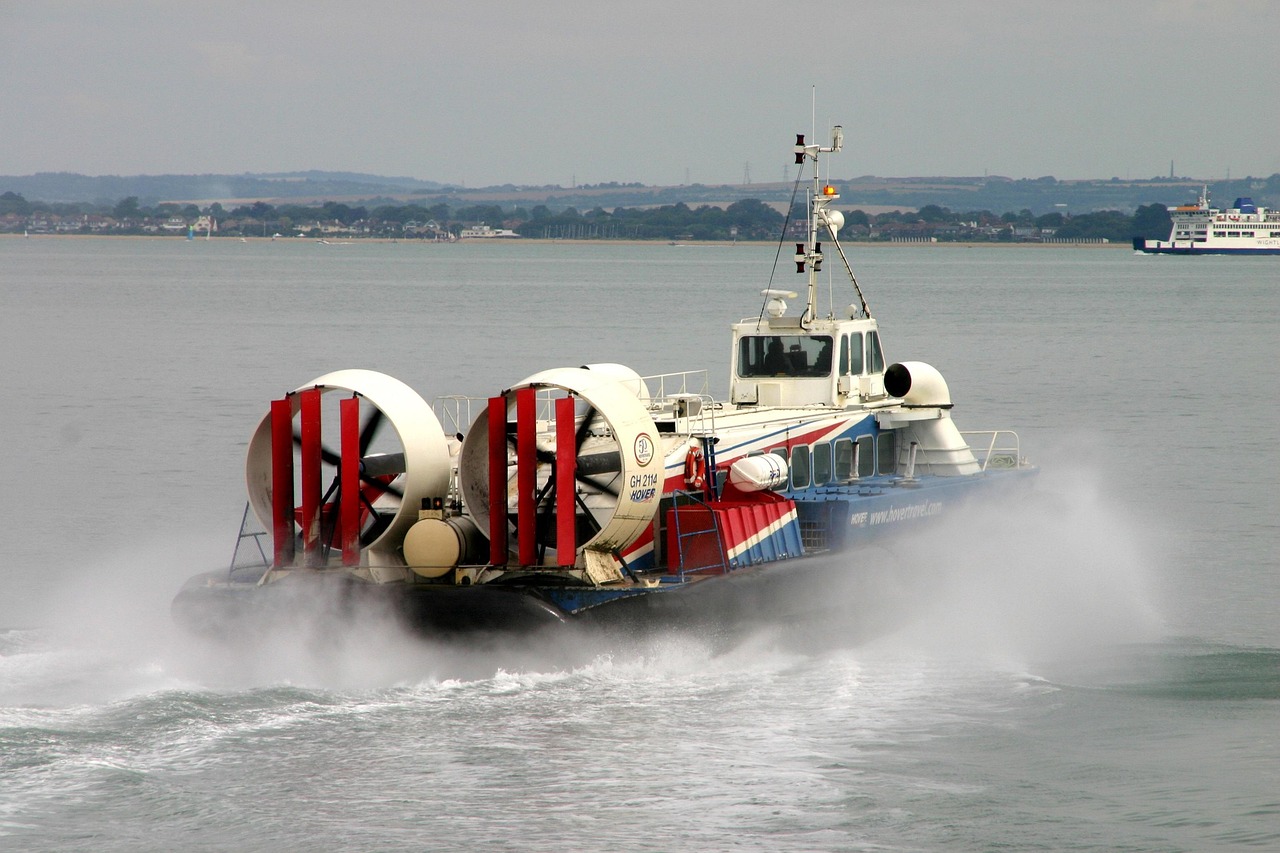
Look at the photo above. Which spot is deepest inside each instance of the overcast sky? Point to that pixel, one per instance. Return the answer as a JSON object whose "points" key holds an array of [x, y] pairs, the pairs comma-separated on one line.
{"points": [[526, 92]]}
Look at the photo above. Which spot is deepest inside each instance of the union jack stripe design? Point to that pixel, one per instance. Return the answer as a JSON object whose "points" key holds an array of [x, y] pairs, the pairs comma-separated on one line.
{"points": [[732, 534]]}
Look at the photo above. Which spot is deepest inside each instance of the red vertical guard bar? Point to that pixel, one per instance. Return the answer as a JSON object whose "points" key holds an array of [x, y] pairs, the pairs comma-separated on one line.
{"points": [[526, 475], [282, 482], [566, 483], [310, 475], [498, 481], [349, 484]]}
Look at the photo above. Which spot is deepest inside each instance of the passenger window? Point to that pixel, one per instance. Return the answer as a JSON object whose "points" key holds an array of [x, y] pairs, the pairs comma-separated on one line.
{"points": [[844, 460], [866, 456], [821, 463], [886, 445], [800, 467]]}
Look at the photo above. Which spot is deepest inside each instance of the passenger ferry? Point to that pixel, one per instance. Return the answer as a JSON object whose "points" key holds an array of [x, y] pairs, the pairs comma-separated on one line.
{"points": [[487, 232], [594, 494], [1198, 229]]}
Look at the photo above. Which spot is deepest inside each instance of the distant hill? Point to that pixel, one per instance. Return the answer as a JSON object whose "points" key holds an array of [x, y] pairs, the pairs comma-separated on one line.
{"points": [[1047, 195], [150, 189], [962, 194]]}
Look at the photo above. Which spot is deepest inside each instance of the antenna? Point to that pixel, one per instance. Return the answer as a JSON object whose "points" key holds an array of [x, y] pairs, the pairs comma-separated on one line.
{"points": [[808, 255], [813, 112]]}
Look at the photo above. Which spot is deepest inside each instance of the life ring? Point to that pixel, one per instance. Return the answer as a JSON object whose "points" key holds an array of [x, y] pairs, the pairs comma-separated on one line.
{"points": [[695, 470]]}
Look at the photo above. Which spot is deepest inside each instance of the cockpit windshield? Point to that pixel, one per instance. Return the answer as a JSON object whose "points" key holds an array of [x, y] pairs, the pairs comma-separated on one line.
{"points": [[784, 355]]}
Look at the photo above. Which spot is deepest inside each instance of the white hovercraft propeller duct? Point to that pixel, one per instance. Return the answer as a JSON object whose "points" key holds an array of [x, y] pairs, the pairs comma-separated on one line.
{"points": [[393, 480], [616, 475]]}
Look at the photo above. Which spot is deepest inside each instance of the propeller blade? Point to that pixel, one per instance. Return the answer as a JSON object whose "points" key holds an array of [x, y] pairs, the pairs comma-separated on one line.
{"points": [[372, 467], [369, 429], [540, 498], [584, 428], [382, 465], [383, 486], [381, 522], [589, 516], [599, 463], [545, 457], [326, 455], [606, 488]]}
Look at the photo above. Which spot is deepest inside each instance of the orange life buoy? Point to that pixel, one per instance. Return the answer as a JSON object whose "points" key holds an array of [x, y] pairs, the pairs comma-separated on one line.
{"points": [[695, 469]]}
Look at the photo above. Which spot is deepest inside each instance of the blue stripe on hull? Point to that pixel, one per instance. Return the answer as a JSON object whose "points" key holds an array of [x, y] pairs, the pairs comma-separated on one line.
{"points": [[838, 517], [1209, 251]]}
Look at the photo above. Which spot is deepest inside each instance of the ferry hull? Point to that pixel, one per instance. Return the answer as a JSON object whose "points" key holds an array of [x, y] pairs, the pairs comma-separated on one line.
{"points": [[1159, 247]]}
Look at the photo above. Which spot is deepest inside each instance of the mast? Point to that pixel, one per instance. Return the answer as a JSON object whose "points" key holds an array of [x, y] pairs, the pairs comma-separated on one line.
{"points": [[810, 252]]}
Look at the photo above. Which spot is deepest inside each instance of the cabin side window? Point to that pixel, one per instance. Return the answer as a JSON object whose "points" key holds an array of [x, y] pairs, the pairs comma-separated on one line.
{"points": [[844, 460], [886, 452], [785, 355], [875, 359], [866, 450], [800, 467], [821, 463]]}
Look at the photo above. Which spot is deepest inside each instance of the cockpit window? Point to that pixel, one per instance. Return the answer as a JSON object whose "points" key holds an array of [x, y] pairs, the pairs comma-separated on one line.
{"points": [[875, 359], [785, 355], [853, 365]]}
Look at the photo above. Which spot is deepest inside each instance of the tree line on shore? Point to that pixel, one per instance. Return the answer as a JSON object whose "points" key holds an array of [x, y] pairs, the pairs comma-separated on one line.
{"points": [[748, 219]]}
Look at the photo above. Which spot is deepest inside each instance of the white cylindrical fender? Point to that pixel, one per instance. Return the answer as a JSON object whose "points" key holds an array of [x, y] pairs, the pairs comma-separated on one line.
{"points": [[758, 473]]}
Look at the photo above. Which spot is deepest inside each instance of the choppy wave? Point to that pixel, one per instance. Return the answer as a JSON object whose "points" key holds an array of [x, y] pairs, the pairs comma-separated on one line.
{"points": [[1181, 669], [668, 744]]}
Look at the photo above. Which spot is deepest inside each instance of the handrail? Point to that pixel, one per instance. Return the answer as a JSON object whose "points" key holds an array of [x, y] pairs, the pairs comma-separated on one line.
{"points": [[454, 410], [1008, 454], [673, 390], [683, 378]]}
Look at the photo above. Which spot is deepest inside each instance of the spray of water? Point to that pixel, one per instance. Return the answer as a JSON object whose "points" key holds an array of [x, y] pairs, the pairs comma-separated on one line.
{"points": [[1062, 572], [1052, 574]]}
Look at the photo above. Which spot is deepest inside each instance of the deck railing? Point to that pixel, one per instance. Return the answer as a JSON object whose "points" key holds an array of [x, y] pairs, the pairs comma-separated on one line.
{"points": [[684, 394], [995, 448], [455, 412], [663, 385]]}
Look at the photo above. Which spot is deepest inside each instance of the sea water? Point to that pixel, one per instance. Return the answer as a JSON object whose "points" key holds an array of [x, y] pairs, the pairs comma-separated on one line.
{"points": [[1096, 668]]}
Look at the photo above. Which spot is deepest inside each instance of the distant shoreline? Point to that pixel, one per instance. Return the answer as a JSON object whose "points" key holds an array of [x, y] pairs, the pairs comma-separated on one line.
{"points": [[877, 244]]}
